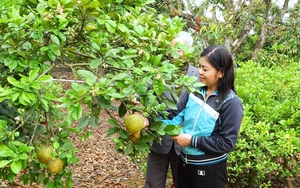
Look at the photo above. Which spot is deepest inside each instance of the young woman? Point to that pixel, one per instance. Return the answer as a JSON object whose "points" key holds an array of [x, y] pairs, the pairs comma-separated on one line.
{"points": [[212, 117]]}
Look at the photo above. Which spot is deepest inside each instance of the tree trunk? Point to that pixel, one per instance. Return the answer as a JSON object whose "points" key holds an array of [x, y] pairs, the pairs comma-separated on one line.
{"points": [[251, 178], [263, 35], [285, 166]]}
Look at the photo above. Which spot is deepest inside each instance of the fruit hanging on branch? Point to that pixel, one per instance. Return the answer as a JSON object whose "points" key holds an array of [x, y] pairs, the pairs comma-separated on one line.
{"points": [[55, 165], [44, 154], [134, 123], [135, 137]]}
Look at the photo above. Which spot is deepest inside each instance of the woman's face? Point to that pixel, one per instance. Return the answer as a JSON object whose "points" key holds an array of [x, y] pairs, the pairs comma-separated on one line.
{"points": [[208, 74]]}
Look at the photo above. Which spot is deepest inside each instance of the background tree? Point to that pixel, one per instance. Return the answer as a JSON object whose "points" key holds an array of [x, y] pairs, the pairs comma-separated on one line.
{"points": [[245, 27]]}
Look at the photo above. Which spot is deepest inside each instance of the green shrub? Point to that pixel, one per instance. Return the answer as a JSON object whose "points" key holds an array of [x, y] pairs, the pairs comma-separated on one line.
{"points": [[269, 137]]}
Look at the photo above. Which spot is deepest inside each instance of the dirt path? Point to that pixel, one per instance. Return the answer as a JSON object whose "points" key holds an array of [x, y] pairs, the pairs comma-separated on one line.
{"points": [[101, 166]]}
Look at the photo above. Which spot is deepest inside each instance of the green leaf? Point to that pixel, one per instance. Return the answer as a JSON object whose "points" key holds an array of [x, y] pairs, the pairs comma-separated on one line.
{"points": [[83, 122], [112, 23], [94, 121], [76, 112], [139, 30], [55, 39], [122, 109], [27, 46], [25, 97], [123, 133], [170, 104], [156, 125], [15, 96], [89, 76], [141, 146], [69, 183], [157, 60], [128, 149], [50, 184], [110, 28], [147, 138], [95, 63], [16, 167], [173, 130], [104, 103], [51, 55], [41, 178], [63, 22], [55, 49], [116, 95], [35, 85], [121, 76], [111, 131], [96, 46], [44, 78], [44, 104], [15, 83], [40, 129], [93, 4], [138, 71], [158, 86], [112, 53], [3, 163], [56, 145], [113, 122], [150, 1], [122, 28], [148, 69], [67, 145], [50, 96]]}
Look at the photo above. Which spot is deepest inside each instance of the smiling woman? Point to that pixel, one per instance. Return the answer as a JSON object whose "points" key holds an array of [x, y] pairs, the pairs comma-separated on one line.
{"points": [[211, 121]]}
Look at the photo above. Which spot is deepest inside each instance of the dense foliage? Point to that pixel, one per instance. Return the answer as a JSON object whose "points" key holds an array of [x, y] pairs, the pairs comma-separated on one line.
{"points": [[269, 146]]}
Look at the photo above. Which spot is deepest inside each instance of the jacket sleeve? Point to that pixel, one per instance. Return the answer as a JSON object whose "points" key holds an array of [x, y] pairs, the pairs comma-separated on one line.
{"points": [[177, 120], [225, 134]]}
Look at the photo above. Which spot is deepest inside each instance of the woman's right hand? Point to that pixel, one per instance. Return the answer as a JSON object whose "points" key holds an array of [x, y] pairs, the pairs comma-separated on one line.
{"points": [[146, 121]]}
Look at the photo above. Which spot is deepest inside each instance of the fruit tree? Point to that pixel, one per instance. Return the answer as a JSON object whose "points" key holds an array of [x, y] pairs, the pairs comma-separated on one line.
{"points": [[117, 51]]}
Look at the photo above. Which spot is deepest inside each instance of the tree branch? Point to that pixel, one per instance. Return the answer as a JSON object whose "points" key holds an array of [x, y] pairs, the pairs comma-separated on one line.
{"points": [[263, 31]]}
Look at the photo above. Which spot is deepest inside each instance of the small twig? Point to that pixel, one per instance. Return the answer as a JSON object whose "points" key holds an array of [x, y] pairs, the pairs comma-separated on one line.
{"points": [[82, 54], [112, 116], [33, 134], [48, 70]]}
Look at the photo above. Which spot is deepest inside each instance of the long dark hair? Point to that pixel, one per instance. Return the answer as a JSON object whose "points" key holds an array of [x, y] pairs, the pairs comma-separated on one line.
{"points": [[220, 58]]}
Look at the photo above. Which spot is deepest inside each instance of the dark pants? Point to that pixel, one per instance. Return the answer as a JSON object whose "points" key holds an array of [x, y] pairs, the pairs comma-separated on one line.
{"points": [[193, 176], [157, 168]]}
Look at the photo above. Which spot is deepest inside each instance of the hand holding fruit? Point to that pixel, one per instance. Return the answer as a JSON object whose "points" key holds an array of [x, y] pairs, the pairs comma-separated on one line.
{"points": [[134, 123]]}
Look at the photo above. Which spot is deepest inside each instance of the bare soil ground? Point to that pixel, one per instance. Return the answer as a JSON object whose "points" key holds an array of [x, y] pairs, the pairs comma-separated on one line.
{"points": [[101, 166]]}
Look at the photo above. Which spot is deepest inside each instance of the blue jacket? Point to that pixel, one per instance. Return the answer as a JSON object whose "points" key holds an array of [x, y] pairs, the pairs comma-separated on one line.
{"points": [[214, 128], [166, 143]]}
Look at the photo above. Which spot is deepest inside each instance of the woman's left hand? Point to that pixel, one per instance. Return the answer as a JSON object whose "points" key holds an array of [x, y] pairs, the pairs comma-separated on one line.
{"points": [[183, 139]]}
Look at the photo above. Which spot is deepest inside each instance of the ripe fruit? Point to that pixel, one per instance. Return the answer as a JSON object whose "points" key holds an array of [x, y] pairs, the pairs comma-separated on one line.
{"points": [[135, 137], [55, 165], [44, 154], [134, 123]]}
